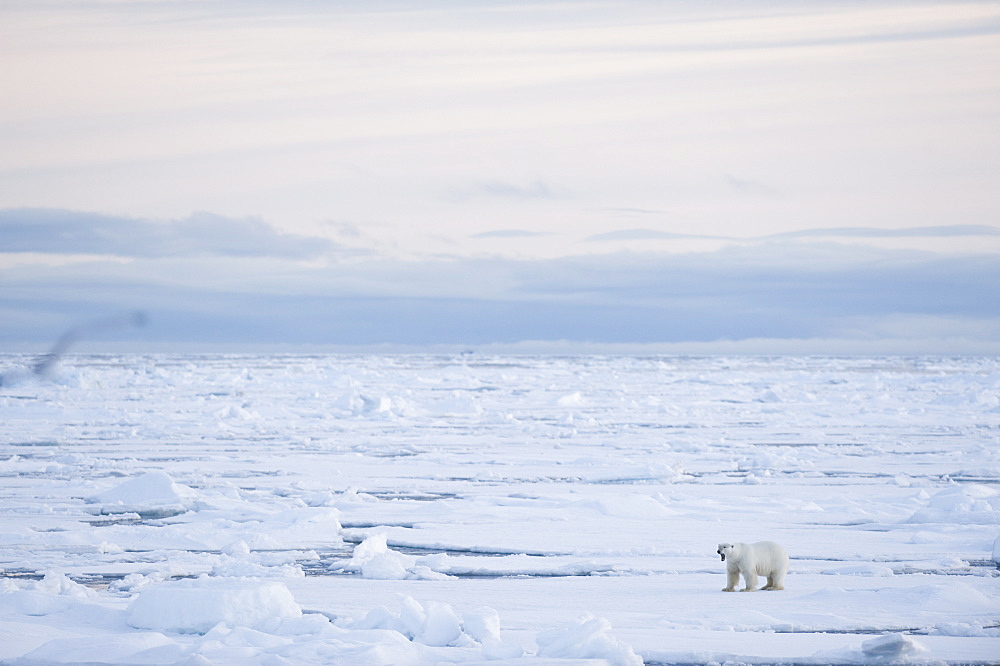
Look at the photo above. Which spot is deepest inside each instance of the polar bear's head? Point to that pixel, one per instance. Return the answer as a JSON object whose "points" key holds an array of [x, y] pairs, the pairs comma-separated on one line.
{"points": [[726, 549]]}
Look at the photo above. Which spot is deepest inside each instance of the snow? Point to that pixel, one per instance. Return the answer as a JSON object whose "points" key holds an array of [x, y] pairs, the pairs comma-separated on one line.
{"points": [[373, 558], [195, 606], [310, 509], [972, 504], [153, 494], [587, 638], [891, 646]]}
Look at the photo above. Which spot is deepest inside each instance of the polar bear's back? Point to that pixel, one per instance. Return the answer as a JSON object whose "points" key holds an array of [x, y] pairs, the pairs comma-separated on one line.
{"points": [[769, 547], [768, 557]]}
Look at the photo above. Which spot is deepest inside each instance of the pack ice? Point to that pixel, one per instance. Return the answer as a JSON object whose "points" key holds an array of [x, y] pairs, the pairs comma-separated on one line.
{"points": [[416, 509]]}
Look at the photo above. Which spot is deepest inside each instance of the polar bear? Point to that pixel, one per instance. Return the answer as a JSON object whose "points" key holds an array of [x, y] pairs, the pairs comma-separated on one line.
{"points": [[764, 558]]}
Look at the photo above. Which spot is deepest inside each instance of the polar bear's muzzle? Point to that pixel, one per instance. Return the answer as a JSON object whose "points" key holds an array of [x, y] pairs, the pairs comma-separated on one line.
{"points": [[722, 555]]}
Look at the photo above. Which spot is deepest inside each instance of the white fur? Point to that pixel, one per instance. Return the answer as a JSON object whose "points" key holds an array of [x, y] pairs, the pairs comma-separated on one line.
{"points": [[764, 558]]}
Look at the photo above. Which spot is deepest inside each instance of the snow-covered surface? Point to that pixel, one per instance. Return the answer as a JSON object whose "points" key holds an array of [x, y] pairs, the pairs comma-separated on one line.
{"points": [[471, 509]]}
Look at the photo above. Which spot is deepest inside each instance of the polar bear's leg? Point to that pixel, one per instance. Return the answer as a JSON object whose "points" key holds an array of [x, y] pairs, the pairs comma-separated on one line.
{"points": [[776, 581], [732, 580], [750, 576]]}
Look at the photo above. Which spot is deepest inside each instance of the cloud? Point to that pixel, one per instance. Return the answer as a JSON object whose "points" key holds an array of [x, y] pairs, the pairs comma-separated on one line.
{"points": [[955, 231], [815, 282], [534, 190], [56, 231], [510, 233], [625, 210], [774, 291], [643, 234], [748, 186]]}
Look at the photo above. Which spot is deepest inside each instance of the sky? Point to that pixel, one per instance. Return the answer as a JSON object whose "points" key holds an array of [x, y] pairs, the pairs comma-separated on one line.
{"points": [[668, 176]]}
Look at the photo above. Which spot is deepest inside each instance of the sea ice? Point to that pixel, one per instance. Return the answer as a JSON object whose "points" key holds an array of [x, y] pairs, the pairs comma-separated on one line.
{"points": [[150, 494], [195, 606], [587, 638], [374, 509], [891, 647]]}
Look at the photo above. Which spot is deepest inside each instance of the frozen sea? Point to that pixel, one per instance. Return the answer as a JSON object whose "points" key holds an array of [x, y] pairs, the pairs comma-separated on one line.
{"points": [[426, 509]]}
